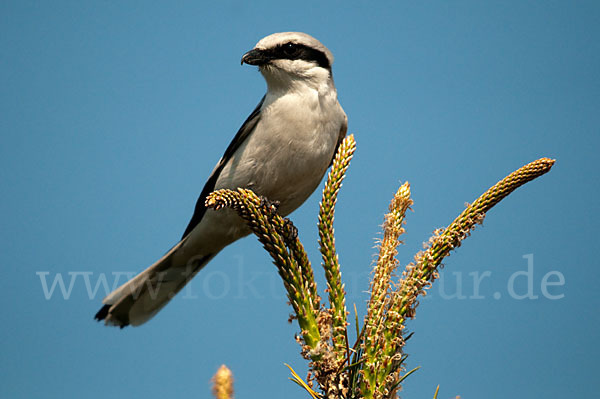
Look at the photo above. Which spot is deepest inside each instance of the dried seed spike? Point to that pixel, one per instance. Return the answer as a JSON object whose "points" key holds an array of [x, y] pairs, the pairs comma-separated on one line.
{"points": [[223, 383], [330, 260]]}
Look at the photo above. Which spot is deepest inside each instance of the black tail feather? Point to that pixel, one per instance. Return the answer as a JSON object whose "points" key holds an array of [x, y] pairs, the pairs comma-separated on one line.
{"points": [[102, 313]]}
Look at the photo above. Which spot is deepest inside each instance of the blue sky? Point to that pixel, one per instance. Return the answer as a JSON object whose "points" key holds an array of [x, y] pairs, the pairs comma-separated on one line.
{"points": [[114, 113]]}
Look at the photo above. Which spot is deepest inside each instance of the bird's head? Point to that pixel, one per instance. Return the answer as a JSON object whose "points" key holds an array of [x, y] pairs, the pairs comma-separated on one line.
{"points": [[288, 57]]}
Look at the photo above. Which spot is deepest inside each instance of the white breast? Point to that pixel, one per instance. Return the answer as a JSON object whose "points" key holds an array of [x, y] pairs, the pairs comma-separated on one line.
{"points": [[283, 159], [290, 149]]}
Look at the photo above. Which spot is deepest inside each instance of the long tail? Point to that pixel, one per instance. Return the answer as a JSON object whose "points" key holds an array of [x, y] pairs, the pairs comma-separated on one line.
{"points": [[138, 300]]}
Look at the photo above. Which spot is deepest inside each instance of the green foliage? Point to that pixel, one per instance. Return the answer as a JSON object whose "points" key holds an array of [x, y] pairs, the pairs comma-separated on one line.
{"points": [[374, 366]]}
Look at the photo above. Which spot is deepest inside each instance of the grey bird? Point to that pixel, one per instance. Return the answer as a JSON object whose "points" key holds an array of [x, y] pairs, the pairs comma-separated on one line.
{"points": [[281, 152]]}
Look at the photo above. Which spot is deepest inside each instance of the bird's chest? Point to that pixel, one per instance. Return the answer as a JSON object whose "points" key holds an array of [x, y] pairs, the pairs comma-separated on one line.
{"points": [[289, 151]]}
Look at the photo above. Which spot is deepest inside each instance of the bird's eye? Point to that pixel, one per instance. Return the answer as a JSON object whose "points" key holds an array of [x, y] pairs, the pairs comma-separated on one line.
{"points": [[289, 48]]}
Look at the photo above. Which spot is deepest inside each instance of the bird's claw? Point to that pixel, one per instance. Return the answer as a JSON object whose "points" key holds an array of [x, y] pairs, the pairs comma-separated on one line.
{"points": [[290, 232], [266, 203]]}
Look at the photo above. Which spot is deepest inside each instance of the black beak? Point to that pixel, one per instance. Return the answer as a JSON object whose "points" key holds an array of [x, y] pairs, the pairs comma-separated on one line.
{"points": [[255, 57]]}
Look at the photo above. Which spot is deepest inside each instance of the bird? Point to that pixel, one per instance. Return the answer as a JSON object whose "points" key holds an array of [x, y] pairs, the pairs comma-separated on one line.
{"points": [[281, 152]]}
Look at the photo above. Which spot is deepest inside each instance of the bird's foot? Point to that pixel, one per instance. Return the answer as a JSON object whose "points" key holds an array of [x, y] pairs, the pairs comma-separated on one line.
{"points": [[290, 232], [267, 204]]}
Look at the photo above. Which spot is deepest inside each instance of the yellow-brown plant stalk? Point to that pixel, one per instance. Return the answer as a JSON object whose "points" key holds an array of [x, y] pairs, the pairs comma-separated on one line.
{"points": [[373, 366], [223, 383]]}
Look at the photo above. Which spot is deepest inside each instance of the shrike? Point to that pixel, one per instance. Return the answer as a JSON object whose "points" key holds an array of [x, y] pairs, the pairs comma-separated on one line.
{"points": [[281, 152]]}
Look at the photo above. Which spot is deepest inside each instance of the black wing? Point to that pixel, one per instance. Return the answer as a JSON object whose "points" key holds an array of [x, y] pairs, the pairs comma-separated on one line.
{"points": [[242, 134]]}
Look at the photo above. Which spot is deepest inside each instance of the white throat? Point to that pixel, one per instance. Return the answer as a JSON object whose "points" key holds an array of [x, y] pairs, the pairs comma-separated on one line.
{"points": [[297, 75]]}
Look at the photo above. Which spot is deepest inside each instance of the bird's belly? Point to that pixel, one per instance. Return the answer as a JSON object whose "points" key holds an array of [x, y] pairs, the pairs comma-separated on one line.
{"points": [[290, 180], [281, 168]]}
